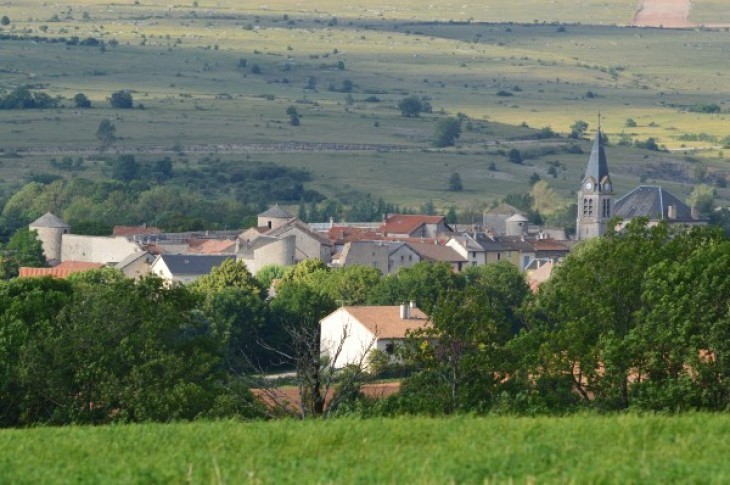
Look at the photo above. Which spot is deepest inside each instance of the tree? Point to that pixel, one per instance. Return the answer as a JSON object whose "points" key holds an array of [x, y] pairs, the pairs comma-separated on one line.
{"points": [[125, 168], [230, 274], [515, 156], [23, 249], [451, 217], [462, 356], [81, 101], [298, 309], [162, 169], [410, 106], [5, 20], [534, 178], [702, 197], [293, 115], [446, 132], [268, 274], [544, 199], [106, 134], [684, 339], [455, 182], [423, 283], [102, 348], [590, 340], [578, 129], [121, 100]]}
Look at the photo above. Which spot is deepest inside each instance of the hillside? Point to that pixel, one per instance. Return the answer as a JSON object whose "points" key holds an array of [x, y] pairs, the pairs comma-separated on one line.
{"points": [[217, 78]]}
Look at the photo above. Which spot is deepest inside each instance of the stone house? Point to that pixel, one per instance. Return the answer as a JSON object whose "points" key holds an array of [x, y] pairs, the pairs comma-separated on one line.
{"points": [[267, 250], [386, 256]]}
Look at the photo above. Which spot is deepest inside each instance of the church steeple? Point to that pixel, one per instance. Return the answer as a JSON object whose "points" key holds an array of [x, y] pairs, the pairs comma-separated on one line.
{"points": [[595, 196], [597, 164]]}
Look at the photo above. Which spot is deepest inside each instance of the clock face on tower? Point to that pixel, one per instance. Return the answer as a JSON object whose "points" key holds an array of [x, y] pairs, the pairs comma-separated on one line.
{"points": [[589, 186]]}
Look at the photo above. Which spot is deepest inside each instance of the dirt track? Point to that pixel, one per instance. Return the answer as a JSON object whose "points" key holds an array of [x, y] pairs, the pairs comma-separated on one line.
{"points": [[663, 13]]}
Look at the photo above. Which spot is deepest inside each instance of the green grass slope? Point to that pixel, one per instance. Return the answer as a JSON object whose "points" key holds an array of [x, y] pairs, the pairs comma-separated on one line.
{"points": [[182, 63], [614, 449]]}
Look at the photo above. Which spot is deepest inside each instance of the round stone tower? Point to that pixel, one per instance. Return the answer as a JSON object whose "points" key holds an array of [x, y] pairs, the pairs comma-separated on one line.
{"points": [[516, 225], [274, 217], [50, 231]]}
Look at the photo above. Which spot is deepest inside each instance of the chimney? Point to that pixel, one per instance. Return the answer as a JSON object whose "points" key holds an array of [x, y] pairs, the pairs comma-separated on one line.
{"points": [[412, 304], [238, 245], [694, 212], [404, 312], [672, 212]]}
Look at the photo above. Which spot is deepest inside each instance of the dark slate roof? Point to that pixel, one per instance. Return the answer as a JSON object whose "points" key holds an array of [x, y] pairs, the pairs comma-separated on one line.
{"points": [[48, 220], [192, 264], [276, 212], [597, 164], [651, 201], [488, 243]]}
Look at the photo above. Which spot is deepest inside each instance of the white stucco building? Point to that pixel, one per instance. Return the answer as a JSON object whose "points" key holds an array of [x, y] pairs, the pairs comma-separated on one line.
{"points": [[350, 333]]}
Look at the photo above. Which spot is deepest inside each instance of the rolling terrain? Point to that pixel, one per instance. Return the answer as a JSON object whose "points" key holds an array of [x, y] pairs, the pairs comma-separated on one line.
{"points": [[216, 78]]}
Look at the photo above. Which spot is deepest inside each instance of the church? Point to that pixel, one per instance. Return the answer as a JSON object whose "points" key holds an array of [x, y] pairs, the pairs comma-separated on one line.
{"points": [[597, 204]]}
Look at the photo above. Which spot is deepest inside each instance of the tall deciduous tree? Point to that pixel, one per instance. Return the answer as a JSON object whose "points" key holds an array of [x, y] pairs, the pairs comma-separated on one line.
{"points": [[446, 132], [23, 249], [410, 106], [106, 133]]}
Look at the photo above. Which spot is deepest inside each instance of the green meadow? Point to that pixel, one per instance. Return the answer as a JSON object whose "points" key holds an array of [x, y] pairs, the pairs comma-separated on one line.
{"points": [[579, 449], [503, 65]]}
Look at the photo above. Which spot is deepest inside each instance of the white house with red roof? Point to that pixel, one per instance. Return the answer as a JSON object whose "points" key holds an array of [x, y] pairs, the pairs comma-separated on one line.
{"points": [[351, 333]]}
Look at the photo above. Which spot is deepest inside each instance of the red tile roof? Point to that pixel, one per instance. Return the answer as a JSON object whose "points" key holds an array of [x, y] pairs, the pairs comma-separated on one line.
{"points": [[406, 224], [344, 234], [213, 246], [540, 275], [385, 321], [61, 271]]}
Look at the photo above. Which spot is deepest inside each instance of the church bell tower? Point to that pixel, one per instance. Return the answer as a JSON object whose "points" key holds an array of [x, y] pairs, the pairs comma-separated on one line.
{"points": [[595, 196]]}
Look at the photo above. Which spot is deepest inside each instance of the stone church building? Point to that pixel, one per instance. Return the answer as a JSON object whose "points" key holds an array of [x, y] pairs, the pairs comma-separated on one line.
{"points": [[597, 204]]}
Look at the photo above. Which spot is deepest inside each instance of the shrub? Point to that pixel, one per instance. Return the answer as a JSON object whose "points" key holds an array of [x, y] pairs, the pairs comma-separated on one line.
{"points": [[121, 99]]}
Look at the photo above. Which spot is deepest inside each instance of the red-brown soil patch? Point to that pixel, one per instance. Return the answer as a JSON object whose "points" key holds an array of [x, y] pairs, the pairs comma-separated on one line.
{"points": [[663, 13]]}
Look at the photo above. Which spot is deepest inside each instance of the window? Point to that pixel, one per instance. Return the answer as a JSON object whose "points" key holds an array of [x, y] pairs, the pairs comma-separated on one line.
{"points": [[499, 256], [606, 208], [402, 258], [590, 207], [473, 254], [389, 348]]}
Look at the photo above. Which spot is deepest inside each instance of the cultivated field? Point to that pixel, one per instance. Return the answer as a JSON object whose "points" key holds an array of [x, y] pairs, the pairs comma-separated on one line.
{"points": [[183, 64], [615, 449]]}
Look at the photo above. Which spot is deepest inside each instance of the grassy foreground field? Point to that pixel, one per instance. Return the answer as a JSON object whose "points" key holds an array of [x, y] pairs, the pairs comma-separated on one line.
{"points": [[625, 449]]}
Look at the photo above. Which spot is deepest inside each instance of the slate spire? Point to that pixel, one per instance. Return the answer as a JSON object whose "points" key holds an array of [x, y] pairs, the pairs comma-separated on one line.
{"points": [[597, 164]]}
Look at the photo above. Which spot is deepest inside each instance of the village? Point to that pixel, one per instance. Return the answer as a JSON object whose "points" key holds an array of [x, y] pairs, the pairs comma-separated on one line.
{"points": [[399, 241]]}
